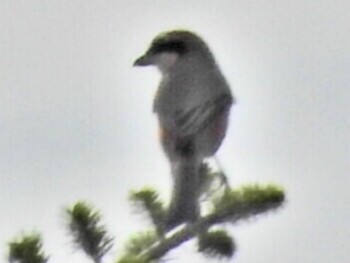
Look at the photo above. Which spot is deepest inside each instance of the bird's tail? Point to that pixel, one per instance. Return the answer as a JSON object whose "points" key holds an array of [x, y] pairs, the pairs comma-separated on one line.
{"points": [[184, 205]]}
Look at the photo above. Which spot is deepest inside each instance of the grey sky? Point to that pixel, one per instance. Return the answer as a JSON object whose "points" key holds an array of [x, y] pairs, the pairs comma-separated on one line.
{"points": [[76, 120]]}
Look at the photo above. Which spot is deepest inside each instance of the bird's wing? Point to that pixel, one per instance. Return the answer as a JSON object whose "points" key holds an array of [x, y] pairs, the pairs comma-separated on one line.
{"points": [[191, 121]]}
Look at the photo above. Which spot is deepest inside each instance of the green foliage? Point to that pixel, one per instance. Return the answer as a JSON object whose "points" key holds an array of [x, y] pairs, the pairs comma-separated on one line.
{"points": [[87, 231], [249, 200], [148, 200], [151, 246], [216, 244], [140, 242], [137, 246], [27, 249], [132, 259]]}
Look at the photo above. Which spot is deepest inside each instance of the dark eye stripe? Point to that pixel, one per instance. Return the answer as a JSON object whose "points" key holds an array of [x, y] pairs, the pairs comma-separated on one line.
{"points": [[169, 46]]}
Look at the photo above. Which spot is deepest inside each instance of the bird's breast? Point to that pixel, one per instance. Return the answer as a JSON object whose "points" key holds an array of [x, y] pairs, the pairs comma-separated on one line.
{"points": [[187, 89]]}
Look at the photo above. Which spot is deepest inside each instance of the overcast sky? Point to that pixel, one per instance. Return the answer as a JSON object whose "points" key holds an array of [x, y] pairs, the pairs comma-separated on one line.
{"points": [[76, 120]]}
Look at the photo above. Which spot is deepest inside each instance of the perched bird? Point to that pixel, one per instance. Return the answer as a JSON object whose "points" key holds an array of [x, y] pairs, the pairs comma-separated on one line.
{"points": [[192, 104]]}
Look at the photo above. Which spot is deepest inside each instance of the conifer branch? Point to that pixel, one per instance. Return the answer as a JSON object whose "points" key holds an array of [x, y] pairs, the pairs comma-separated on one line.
{"points": [[87, 231], [27, 249], [235, 205]]}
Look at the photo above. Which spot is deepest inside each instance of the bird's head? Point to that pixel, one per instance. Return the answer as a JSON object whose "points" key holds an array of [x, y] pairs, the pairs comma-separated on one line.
{"points": [[168, 48]]}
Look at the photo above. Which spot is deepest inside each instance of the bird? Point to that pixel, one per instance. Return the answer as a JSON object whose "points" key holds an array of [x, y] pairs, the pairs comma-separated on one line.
{"points": [[192, 104]]}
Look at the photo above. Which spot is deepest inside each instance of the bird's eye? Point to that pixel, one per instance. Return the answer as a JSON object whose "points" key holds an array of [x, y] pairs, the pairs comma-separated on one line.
{"points": [[174, 46]]}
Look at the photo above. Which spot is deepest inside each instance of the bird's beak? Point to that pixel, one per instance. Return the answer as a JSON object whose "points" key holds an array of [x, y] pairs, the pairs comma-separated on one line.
{"points": [[145, 60]]}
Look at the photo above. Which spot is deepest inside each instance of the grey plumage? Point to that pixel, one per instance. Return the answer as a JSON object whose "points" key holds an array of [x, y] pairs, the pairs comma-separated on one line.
{"points": [[192, 104]]}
